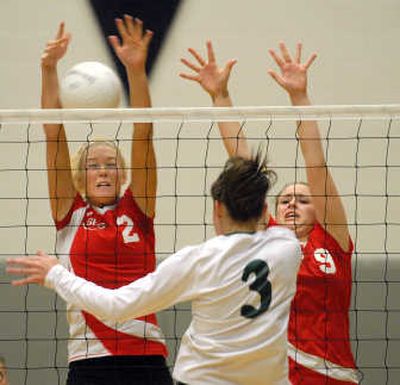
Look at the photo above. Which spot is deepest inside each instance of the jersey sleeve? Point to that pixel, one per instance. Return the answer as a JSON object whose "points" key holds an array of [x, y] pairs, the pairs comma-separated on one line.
{"points": [[78, 202], [174, 281]]}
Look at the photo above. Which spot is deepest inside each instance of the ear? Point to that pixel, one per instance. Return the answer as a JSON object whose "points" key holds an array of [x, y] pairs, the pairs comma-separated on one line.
{"points": [[264, 216], [265, 212], [219, 209], [218, 217]]}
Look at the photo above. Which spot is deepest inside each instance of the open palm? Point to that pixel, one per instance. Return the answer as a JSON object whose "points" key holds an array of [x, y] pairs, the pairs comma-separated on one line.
{"points": [[212, 78], [293, 73], [133, 48]]}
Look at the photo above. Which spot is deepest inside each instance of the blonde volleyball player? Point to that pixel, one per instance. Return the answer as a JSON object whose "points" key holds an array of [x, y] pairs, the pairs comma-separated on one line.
{"points": [[240, 283], [319, 343], [102, 235]]}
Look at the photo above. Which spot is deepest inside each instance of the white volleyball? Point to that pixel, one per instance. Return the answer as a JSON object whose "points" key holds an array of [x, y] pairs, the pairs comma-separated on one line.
{"points": [[90, 85]]}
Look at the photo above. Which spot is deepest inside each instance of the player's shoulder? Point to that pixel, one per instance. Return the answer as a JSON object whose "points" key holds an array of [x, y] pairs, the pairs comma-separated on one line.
{"points": [[282, 240], [212, 247]]}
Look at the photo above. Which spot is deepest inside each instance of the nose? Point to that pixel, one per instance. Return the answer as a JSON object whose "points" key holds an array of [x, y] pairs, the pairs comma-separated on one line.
{"points": [[292, 201], [103, 170]]}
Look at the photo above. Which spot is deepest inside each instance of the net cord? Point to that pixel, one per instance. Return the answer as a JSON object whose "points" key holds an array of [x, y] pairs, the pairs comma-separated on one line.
{"points": [[132, 115]]}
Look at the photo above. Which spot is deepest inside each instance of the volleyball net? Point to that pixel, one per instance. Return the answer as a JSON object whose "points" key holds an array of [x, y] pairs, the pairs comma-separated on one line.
{"points": [[362, 149]]}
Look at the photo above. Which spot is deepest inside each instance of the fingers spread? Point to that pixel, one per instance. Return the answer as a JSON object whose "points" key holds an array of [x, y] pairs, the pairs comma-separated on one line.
{"points": [[299, 47], [148, 35], [197, 56], [285, 53], [310, 60], [189, 64], [121, 28], [189, 77], [276, 58], [210, 52], [229, 65], [276, 77], [114, 41], [131, 25]]}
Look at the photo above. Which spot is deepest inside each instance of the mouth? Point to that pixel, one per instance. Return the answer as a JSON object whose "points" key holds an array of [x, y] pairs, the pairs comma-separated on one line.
{"points": [[291, 215], [103, 184]]}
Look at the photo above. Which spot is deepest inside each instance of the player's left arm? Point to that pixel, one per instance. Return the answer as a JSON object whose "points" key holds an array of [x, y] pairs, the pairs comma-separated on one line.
{"points": [[132, 49], [172, 282], [327, 201]]}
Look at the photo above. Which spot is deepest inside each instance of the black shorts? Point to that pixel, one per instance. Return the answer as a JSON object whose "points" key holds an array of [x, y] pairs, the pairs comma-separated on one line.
{"points": [[120, 370]]}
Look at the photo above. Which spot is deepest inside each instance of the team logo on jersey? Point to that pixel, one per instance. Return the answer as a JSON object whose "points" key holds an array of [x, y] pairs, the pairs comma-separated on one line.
{"points": [[325, 261], [93, 224]]}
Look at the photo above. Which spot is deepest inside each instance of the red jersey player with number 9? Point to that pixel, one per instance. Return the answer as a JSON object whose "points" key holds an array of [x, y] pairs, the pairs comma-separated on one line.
{"points": [[101, 236], [319, 349]]}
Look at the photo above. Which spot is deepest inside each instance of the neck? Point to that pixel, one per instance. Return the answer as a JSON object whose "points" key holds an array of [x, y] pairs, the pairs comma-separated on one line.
{"points": [[302, 232], [235, 227]]}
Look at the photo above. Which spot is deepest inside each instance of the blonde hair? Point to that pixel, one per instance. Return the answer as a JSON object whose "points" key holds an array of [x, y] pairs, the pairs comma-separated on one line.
{"points": [[79, 158]]}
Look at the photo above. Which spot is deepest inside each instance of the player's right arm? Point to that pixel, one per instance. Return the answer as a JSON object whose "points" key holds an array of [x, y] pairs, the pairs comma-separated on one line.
{"points": [[328, 204], [172, 282], [214, 80], [60, 183]]}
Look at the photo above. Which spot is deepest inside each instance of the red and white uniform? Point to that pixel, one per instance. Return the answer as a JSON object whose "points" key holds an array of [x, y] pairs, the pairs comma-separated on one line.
{"points": [[319, 318], [319, 341], [110, 246]]}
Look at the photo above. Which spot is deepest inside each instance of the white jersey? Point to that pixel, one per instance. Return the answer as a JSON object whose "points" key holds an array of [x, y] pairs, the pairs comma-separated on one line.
{"points": [[240, 285]]}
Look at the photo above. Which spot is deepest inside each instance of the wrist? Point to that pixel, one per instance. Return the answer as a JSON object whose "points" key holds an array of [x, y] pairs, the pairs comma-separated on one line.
{"points": [[299, 99], [221, 97], [136, 70], [49, 67]]}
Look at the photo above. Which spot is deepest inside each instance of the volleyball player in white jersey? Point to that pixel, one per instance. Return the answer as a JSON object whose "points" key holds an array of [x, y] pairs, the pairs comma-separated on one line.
{"points": [[319, 350], [240, 283], [103, 235]]}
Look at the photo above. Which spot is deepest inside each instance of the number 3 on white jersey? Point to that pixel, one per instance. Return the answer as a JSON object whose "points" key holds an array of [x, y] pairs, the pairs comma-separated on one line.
{"points": [[327, 265], [127, 233]]}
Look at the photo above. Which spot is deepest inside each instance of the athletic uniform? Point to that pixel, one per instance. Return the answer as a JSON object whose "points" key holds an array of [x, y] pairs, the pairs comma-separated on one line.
{"points": [[240, 285], [319, 341], [110, 246]]}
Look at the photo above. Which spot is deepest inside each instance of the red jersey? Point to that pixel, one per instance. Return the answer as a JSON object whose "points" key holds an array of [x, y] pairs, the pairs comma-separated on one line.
{"points": [[110, 246], [318, 332]]}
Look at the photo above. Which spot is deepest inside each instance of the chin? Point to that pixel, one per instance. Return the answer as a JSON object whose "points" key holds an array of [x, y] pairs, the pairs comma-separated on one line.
{"points": [[103, 200], [294, 224]]}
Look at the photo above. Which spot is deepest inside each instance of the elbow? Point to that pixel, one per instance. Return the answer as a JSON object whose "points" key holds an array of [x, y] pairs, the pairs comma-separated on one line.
{"points": [[117, 309]]}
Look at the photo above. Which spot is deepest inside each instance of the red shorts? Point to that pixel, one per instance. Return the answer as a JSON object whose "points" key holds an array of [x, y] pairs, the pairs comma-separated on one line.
{"points": [[300, 375]]}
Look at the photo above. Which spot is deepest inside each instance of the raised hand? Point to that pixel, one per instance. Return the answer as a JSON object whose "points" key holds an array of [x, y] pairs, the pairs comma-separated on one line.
{"points": [[133, 45], [213, 79], [34, 268], [293, 76], [56, 49]]}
